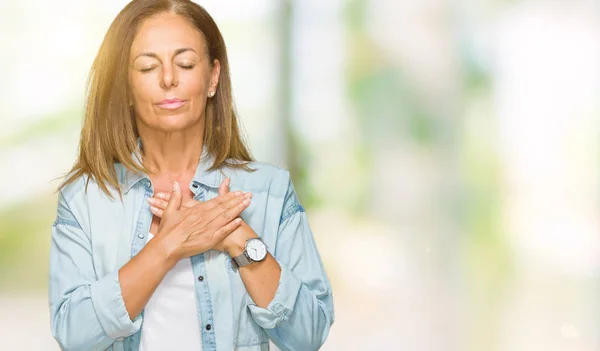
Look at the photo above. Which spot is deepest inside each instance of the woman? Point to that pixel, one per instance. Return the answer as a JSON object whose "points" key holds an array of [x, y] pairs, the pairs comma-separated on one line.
{"points": [[228, 260]]}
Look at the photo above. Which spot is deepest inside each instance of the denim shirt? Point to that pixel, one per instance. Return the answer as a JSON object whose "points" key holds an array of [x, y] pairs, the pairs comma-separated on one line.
{"points": [[94, 236]]}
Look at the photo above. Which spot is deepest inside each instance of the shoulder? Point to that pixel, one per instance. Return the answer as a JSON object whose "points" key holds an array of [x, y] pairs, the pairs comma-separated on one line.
{"points": [[74, 189], [84, 185], [274, 185], [71, 200], [280, 187], [74, 197], [268, 171], [261, 177]]}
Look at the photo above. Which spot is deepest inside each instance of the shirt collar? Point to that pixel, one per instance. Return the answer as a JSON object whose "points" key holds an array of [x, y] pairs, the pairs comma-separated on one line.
{"points": [[213, 179]]}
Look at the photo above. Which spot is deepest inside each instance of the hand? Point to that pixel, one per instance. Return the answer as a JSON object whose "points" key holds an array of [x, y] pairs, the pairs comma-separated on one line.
{"points": [[189, 230], [233, 243]]}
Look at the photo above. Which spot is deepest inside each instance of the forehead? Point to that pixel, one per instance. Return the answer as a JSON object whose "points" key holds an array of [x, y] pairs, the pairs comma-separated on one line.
{"points": [[166, 32]]}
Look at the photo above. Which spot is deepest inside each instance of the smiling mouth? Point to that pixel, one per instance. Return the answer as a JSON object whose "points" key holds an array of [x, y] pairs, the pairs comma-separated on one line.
{"points": [[171, 104]]}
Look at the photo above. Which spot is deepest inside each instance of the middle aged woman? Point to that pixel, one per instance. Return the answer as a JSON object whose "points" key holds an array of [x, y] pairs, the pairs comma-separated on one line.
{"points": [[228, 260]]}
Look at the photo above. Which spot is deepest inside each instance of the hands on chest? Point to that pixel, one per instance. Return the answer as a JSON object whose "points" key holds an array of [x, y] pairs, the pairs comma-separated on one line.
{"points": [[213, 224]]}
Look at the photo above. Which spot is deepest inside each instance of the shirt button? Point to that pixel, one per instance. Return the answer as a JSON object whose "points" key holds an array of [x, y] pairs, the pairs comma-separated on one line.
{"points": [[195, 185], [200, 278], [208, 327], [141, 236]]}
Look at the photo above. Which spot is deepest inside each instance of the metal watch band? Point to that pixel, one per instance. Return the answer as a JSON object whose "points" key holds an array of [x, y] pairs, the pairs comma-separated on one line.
{"points": [[241, 260]]}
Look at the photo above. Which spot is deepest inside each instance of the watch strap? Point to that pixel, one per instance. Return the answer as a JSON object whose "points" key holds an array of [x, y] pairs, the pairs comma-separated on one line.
{"points": [[241, 260]]}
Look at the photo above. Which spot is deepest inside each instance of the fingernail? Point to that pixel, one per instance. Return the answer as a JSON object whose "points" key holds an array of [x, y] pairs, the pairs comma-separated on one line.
{"points": [[238, 193], [152, 200], [176, 186], [238, 220], [227, 181], [247, 202], [248, 195]]}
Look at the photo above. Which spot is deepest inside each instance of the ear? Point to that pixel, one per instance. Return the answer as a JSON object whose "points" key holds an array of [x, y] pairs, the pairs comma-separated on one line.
{"points": [[216, 73]]}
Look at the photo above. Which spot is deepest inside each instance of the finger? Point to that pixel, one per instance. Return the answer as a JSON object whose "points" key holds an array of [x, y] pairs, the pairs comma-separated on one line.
{"points": [[166, 196], [156, 211], [190, 203], [224, 231], [175, 200], [163, 196], [220, 199], [224, 188], [235, 201], [159, 203], [212, 203], [220, 218], [221, 207]]}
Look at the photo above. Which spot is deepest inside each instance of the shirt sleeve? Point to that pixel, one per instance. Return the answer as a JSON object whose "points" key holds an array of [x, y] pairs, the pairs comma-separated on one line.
{"points": [[86, 313], [301, 313]]}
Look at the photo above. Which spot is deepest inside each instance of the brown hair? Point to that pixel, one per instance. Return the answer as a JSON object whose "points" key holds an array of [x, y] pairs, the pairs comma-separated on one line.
{"points": [[109, 134]]}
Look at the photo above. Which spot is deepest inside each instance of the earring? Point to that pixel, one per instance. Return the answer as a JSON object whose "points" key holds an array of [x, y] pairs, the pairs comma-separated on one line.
{"points": [[211, 94]]}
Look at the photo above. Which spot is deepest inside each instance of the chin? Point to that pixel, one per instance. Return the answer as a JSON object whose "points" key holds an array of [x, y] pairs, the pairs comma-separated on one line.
{"points": [[174, 123]]}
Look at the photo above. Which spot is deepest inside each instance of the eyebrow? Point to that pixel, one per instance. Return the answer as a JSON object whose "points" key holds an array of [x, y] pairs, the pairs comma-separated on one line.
{"points": [[151, 54]]}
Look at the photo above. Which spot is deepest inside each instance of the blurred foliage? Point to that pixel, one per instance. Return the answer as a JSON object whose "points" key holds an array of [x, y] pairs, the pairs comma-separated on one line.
{"points": [[24, 241], [298, 157], [487, 256], [390, 108], [25, 227], [48, 125], [387, 107]]}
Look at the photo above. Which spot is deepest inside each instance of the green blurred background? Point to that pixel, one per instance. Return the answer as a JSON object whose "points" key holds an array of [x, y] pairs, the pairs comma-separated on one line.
{"points": [[446, 152]]}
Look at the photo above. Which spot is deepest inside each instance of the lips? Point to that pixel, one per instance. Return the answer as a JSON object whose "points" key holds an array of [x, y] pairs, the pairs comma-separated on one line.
{"points": [[171, 104]]}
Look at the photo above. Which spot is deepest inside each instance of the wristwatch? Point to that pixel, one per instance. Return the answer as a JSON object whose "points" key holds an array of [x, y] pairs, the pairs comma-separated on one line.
{"points": [[254, 251]]}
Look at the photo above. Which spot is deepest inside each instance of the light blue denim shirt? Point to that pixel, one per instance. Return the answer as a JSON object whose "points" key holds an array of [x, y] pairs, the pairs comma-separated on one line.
{"points": [[93, 236]]}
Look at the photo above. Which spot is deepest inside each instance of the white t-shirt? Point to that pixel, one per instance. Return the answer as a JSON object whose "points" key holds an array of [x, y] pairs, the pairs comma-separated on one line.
{"points": [[171, 314]]}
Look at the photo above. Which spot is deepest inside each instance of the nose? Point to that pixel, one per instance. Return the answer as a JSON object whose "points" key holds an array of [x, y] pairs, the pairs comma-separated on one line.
{"points": [[168, 77]]}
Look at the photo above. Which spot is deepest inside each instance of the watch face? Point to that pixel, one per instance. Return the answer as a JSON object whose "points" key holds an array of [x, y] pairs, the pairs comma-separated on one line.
{"points": [[256, 249]]}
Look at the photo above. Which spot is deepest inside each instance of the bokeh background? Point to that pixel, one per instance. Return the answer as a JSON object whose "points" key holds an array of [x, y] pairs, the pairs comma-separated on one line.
{"points": [[446, 152]]}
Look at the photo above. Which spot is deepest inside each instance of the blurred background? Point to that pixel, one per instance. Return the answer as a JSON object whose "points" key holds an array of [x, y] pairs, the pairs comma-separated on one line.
{"points": [[446, 151]]}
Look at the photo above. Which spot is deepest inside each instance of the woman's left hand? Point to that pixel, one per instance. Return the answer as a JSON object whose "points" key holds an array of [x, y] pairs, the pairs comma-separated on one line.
{"points": [[233, 244]]}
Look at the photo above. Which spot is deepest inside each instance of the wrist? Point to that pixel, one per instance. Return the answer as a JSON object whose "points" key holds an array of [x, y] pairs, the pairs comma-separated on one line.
{"points": [[237, 245], [162, 251]]}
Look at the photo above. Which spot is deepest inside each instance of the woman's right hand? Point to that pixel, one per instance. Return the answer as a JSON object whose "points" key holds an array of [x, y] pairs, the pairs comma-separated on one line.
{"points": [[185, 232]]}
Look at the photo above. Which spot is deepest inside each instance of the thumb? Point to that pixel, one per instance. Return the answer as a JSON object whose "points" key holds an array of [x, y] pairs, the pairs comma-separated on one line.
{"points": [[224, 188], [175, 199]]}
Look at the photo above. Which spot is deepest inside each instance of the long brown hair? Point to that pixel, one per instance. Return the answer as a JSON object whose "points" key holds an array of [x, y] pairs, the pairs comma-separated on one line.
{"points": [[109, 134]]}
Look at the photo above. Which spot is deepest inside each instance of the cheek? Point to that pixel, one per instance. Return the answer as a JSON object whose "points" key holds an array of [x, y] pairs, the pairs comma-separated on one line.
{"points": [[141, 88], [193, 85]]}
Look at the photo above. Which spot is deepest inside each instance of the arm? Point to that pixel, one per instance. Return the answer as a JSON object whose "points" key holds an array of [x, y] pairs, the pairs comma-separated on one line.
{"points": [[86, 313], [300, 314], [260, 278]]}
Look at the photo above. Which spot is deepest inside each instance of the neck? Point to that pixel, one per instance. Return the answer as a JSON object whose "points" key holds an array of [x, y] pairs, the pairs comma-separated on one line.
{"points": [[171, 153]]}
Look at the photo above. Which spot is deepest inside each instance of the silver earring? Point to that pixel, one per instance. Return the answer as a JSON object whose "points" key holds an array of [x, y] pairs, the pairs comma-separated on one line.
{"points": [[211, 94]]}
